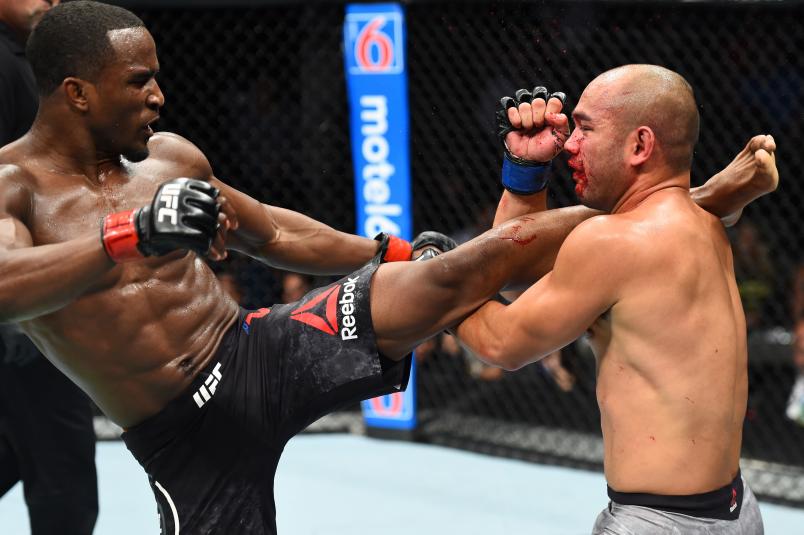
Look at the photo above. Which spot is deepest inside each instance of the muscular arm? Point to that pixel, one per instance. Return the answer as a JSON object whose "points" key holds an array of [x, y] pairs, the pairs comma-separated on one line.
{"points": [[289, 240], [554, 311], [39, 280], [511, 206], [725, 194], [750, 175], [279, 237]]}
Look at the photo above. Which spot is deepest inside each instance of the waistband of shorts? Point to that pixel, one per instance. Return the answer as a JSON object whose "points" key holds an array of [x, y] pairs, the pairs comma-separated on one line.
{"points": [[153, 433], [722, 504]]}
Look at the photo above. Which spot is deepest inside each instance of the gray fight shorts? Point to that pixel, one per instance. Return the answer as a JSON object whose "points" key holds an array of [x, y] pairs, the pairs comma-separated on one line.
{"points": [[619, 519]]}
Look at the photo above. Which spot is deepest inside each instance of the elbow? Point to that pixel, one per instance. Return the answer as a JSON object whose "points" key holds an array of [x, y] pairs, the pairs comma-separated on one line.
{"points": [[731, 219], [14, 308], [8, 315], [495, 353], [6, 308], [511, 365]]}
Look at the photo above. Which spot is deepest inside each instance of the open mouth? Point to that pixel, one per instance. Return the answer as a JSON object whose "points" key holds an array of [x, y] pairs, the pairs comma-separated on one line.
{"points": [[580, 183], [149, 126], [579, 177]]}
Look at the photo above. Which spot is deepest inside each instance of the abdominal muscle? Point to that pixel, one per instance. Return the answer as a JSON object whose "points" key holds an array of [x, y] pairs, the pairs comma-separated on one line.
{"points": [[672, 377], [670, 425], [137, 340]]}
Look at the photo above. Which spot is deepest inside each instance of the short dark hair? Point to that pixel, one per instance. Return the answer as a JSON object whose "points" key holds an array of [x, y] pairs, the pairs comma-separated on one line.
{"points": [[72, 40]]}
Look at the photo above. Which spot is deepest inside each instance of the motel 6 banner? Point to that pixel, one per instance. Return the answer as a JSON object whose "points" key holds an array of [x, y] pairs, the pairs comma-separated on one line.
{"points": [[374, 48]]}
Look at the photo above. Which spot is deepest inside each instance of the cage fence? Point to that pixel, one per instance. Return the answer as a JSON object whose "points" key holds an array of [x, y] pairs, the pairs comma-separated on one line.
{"points": [[261, 91]]}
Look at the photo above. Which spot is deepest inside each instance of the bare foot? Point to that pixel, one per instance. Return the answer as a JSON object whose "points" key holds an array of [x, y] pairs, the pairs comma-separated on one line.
{"points": [[754, 167], [750, 175]]}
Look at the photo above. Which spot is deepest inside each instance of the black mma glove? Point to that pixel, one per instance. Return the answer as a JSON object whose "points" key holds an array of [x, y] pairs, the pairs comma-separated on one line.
{"points": [[520, 176], [435, 243], [183, 215], [393, 249]]}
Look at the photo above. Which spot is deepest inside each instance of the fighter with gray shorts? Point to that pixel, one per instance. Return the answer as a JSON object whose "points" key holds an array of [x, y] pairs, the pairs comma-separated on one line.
{"points": [[729, 510]]}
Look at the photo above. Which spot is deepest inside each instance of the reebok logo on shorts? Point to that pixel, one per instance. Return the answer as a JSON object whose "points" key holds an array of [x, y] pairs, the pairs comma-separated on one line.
{"points": [[349, 331], [328, 322]]}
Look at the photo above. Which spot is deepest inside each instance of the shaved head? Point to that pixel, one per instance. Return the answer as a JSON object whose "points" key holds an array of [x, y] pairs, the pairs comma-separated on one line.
{"points": [[652, 96], [633, 123]]}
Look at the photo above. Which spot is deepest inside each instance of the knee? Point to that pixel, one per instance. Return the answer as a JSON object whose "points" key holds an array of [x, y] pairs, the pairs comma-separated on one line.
{"points": [[451, 276]]}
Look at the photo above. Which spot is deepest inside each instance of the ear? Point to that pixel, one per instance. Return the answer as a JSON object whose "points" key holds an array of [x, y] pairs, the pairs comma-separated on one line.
{"points": [[78, 92], [641, 145]]}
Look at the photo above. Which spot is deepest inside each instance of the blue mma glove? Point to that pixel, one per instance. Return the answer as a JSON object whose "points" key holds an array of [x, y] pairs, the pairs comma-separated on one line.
{"points": [[520, 176]]}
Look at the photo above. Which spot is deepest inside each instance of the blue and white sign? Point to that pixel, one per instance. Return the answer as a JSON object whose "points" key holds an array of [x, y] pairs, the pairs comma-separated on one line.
{"points": [[374, 39], [394, 411], [374, 46]]}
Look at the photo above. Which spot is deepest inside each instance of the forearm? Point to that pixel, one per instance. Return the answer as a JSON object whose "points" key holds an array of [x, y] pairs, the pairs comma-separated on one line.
{"points": [[319, 250], [478, 333], [511, 205], [289, 240], [38, 280], [559, 307], [486, 334]]}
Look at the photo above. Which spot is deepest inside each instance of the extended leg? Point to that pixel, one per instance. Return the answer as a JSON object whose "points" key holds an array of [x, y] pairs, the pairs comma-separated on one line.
{"points": [[413, 301]]}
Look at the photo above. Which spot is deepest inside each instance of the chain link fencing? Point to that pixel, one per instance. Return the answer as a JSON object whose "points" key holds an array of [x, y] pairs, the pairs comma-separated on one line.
{"points": [[262, 92]]}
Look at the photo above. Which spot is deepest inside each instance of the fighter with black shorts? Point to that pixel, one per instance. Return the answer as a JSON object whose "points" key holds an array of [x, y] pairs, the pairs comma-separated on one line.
{"points": [[136, 318], [212, 452]]}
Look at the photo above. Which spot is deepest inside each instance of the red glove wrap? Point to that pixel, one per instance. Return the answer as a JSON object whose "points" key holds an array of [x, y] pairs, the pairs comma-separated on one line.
{"points": [[119, 236], [399, 250]]}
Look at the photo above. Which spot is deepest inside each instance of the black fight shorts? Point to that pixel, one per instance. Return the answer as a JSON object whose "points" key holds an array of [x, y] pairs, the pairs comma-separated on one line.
{"points": [[211, 454]]}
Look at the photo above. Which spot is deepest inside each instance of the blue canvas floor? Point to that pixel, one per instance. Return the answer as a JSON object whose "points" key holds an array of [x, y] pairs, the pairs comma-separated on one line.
{"points": [[345, 484]]}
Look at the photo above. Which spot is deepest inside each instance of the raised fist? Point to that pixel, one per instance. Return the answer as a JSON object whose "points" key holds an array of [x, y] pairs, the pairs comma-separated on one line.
{"points": [[531, 125]]}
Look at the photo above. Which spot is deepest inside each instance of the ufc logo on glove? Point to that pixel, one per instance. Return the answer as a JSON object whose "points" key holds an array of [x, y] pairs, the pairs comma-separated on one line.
{"points": [[170, 198]]}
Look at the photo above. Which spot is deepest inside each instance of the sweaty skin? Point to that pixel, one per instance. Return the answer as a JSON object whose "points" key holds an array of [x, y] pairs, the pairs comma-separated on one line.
{"points": [[138, 332], [653, 285], [672, 378], [134, 335]]}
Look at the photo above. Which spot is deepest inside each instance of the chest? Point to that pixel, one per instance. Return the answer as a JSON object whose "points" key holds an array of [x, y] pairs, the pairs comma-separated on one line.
{"points": [[70, 207]]}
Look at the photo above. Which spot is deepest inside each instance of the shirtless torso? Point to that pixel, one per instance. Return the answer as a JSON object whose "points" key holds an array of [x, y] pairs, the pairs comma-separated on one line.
{"points": [[672, 372], [134, 335], [137, 334], [652, 284]]}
